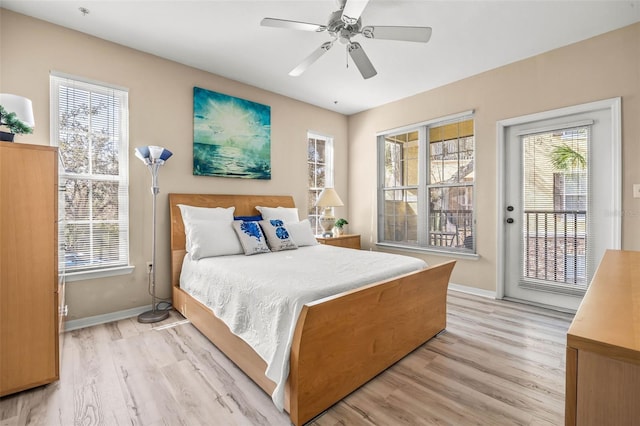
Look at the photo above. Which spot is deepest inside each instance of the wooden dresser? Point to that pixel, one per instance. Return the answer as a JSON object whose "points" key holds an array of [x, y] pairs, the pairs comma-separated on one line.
{"points": [[28, 266], [603, 347]]}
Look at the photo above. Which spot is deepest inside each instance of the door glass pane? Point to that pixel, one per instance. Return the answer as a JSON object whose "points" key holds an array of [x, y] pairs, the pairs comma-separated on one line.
{"points": [[555, 188]]}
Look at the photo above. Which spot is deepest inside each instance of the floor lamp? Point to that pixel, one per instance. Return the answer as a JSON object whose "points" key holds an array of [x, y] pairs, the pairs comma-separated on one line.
{"points": [[153, 157]]}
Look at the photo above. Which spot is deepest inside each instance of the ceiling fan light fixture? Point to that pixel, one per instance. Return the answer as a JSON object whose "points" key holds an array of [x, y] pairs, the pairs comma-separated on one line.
{"points": [[344, 36]]}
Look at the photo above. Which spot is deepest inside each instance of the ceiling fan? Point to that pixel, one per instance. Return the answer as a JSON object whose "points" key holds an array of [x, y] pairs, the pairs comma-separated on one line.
{"points": [[344, 24]]}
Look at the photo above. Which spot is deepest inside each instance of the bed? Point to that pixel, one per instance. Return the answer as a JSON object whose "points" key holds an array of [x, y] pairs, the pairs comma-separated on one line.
{"points": [[339, 342]]}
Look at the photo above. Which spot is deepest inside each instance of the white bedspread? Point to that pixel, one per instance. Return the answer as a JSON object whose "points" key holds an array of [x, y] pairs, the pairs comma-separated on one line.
{"points": [[260, 297]]}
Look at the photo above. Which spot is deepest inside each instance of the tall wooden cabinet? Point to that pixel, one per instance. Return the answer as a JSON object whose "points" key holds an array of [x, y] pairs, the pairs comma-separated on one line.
{"points": [[29, 346]]}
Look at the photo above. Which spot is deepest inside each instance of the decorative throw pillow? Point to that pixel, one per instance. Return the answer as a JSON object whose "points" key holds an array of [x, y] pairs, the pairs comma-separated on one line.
{"points": [[251, 237], [209, 238], [249, 218], [190, 213], [285, 214], [301, 233], [277, 235]]}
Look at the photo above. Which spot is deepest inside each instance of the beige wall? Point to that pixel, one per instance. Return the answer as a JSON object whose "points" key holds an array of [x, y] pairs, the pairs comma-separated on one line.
{"points": [[160, 100], [599, 68], [161, 112]]}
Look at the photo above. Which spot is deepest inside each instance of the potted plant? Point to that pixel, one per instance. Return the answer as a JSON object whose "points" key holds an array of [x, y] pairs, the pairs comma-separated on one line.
{"points": [[13, 123], [340, 223]]}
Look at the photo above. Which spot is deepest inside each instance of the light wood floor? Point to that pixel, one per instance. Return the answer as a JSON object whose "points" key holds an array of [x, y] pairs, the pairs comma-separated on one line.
{"points": [[498, 363]]}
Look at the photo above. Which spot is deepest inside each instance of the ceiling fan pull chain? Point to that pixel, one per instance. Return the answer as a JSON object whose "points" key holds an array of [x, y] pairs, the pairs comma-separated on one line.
{"points": [[346, 53]]}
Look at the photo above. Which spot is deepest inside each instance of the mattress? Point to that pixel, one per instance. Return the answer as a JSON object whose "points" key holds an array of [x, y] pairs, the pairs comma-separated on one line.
{"points": [[260, 297]]}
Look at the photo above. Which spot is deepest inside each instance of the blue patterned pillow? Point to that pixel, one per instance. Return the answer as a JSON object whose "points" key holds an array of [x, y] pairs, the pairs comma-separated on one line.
{"points": [[251, 237], [277, 235]]}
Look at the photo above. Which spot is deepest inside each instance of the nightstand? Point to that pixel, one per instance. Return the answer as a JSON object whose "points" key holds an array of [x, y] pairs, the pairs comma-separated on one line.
{"points": [[347, 241]]}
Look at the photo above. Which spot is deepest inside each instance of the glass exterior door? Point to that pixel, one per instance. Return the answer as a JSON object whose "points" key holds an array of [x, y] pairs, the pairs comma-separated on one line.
{"points": [[555, 170]]}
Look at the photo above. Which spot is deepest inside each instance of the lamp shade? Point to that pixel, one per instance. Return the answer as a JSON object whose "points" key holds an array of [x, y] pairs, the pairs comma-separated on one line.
{"points": [[329, 198], [153, 154], [21, 106]]}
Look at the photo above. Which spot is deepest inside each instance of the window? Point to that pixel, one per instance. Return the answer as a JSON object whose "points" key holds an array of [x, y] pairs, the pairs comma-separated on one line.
{"points": [[570, 190], [556, 207], [89, 125], [427, 185], [320, 166]]}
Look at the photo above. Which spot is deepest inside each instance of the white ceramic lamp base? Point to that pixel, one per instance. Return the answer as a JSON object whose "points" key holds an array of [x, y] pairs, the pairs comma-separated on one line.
{"points": [[327, 221]]}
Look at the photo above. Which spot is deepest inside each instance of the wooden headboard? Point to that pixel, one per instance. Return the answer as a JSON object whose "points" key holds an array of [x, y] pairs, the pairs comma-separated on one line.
{"points": [[245, 206]]}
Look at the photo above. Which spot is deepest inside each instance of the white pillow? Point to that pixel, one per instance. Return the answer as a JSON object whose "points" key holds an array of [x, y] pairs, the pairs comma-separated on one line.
{"points": [[301, 233], [190, 213], [285, 214], [251, 237], [208, 238], [277, 235]]}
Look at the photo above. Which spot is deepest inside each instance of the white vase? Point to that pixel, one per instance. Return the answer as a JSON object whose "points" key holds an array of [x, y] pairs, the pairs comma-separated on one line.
{"points": [[337, 232]]}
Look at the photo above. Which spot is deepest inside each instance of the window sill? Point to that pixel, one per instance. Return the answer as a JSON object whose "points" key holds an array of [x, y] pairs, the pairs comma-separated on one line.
{"points": [[452, 253], [98, 273]]}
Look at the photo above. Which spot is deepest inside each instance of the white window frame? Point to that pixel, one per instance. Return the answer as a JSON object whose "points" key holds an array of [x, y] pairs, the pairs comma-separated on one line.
{"points": [[328, 178], [424, 184], [122, 267]]}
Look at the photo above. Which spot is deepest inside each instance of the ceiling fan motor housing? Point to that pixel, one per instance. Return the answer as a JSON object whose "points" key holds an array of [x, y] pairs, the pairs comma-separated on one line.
{"points": [[341, 31]]}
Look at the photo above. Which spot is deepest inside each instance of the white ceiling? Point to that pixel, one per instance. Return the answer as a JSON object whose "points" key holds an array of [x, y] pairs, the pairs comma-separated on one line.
{"points": [[225, 38]]}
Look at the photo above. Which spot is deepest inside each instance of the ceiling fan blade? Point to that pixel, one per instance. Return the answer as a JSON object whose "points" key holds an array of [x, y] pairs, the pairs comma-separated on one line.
{"points": [[292, 25], [315, 55], [361, 60], [417, 34], [352, 11]]}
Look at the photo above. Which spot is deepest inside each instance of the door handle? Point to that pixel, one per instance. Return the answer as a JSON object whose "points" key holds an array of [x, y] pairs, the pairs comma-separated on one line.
{"points": [[510, 220]]}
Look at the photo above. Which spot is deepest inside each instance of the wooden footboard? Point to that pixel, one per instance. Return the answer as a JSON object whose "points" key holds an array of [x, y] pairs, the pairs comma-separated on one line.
{"points": [[340, 342]]}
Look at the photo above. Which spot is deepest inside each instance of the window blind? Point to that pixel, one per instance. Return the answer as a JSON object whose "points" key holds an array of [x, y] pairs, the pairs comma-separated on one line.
{"points": [[556, 219], [89, 125]]}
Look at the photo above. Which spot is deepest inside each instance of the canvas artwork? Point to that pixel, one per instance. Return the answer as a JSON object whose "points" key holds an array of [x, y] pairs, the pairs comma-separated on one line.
{"points": [[231, 136]]}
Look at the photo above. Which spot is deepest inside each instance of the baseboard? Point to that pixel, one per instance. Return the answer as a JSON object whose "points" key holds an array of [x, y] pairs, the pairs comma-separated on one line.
{"points": [[104, 318], [472, 290], [128, 313]]}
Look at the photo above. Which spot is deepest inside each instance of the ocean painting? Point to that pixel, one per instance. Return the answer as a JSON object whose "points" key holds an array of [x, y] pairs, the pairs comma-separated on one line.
{"points": [[231, 136]]}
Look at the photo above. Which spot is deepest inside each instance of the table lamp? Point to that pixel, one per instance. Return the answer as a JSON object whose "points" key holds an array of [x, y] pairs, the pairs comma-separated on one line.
{"points": [[328, 199]]}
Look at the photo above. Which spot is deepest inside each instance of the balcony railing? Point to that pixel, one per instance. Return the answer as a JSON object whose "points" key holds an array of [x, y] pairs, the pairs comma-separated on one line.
{"points": [[555, 245], [451, 228]]}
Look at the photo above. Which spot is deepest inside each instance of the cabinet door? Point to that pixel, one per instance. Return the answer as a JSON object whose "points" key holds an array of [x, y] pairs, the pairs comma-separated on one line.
{"points": [[28, 267]]}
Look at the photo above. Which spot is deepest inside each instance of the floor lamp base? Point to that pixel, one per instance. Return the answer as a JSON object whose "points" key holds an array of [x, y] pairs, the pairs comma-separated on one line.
{"points": [[153, 316]]}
